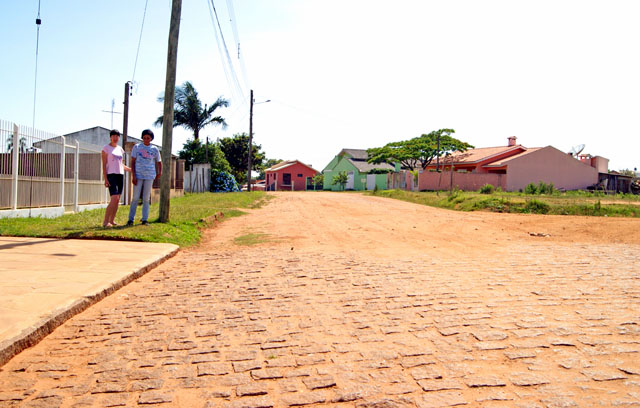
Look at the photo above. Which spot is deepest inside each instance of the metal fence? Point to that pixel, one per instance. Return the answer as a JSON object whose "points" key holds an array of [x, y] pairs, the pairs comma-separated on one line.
{"points": [[39, 169]]}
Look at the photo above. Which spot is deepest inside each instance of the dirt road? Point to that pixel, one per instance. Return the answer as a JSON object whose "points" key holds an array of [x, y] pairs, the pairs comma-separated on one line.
{"points": [[355, 301]]}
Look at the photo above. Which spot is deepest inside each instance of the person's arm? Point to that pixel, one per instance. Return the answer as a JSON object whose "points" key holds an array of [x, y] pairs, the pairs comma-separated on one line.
{"points": [[133, 171], [104, 168]]}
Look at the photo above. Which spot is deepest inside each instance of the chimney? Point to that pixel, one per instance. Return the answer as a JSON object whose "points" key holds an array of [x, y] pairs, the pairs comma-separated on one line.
{"points": [[512, 141]]}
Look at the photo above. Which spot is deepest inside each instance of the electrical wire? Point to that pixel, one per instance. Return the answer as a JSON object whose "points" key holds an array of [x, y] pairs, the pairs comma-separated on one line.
{"points": [[236, 37], [139, 41], [35, 81], [230, 73]]}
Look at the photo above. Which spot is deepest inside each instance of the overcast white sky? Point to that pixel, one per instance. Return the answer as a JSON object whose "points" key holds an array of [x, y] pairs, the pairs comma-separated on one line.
{"points": [[341, 73]]}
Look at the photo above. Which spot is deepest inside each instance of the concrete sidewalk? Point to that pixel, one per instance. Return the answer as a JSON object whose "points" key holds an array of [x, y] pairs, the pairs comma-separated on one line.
{"points": [[45, 281]]}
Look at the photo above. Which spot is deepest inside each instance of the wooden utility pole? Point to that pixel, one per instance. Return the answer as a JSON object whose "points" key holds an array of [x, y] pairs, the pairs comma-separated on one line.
{"points": [[250, 140], [169, 100], [125, 129]]}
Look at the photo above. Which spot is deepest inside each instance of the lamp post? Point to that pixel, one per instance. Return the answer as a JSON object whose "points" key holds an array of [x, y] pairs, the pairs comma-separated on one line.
{"points": [[251, 103]]}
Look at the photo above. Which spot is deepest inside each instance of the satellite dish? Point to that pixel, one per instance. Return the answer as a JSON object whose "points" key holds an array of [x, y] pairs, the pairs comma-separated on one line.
{"points": [[576, 150]]}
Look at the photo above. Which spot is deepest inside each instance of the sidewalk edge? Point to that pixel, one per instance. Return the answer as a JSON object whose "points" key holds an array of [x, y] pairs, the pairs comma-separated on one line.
{"points": [[34, 334]]}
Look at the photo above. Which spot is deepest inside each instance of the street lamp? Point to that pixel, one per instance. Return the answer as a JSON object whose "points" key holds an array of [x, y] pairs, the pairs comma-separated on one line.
{"points": [[251, 103]]}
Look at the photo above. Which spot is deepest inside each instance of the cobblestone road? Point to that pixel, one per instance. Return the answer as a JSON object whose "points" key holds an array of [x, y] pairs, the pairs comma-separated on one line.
{"points": [[536, 325]]}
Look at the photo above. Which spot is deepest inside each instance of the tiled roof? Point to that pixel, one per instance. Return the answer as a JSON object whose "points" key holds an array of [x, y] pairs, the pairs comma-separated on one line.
{"points": [[480, 154], [506, 160], [287, 163], [358, 154]]}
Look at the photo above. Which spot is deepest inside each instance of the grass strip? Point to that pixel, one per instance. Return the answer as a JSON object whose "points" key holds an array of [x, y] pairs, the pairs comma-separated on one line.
{"points": [[504, 202], [188, 215]]}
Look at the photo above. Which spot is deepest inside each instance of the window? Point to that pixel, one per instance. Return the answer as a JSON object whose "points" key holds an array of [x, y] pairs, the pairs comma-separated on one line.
{"points": [[286, 178], [299, 175]]}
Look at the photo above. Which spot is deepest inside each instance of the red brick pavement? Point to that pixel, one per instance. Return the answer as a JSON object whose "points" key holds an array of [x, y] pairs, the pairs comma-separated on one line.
{"points": [[269, 326]]}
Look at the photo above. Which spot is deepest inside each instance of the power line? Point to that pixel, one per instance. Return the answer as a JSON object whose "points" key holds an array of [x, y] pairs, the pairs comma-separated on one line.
{"points": [[35, 81], [139, 40], [236, 37], [232, 77]]}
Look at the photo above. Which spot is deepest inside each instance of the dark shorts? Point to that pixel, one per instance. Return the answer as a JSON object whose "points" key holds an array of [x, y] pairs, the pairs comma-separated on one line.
{"points": [[116, 182]]}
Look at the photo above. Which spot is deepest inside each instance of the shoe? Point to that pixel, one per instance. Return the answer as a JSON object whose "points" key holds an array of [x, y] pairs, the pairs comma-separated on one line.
{"points": [[129, 223], [145, 222]]}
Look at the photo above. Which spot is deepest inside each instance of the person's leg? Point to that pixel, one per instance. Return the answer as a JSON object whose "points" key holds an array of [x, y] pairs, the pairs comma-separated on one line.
{"points": [[146, 199], [115, 198], [111, 210], [134, 200], [115, 201]]}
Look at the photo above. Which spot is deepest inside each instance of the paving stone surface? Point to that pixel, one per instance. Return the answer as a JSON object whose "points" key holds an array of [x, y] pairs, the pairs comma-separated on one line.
{"points": [[525, 323]]}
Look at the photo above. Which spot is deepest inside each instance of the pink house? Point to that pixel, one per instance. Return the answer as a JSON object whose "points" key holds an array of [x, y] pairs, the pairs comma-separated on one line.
{"points": [[289, 175], [513, 167]]}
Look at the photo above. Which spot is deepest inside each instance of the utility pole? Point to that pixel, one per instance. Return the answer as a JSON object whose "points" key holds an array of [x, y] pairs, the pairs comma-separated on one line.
{"points": [[206, 150], [438, 155], [250, 140], [169, 100], [125, 129]]}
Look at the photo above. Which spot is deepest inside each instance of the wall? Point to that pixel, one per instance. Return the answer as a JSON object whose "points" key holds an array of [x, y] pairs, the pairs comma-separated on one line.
{"points": [[342, 164], [429, 180], [550, 165], [299, 183]]}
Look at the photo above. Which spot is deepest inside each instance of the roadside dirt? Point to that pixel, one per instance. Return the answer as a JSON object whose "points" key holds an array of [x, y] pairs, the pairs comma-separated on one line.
{"points": [[310, 222]]}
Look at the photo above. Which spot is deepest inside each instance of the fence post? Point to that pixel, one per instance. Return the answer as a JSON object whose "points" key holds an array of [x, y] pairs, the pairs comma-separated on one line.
{"points": [[14, 172], [62, 169], [76, 167]]}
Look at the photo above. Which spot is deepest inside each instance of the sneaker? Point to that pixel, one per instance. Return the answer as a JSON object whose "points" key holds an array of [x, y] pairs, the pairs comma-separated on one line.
{"points": [[145, 222], [129, 223]]}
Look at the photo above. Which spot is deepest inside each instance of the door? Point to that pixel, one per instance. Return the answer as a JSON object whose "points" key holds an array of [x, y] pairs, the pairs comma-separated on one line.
{"points": [[371, 181], [350, 179]]}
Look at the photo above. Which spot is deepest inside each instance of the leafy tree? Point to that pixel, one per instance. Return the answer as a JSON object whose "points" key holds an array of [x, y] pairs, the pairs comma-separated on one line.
{"points": [[236, 150], [267, 164], [419, 151], [340, 179], [195, 152], [627, 172], [188, 111], [318, 179]]}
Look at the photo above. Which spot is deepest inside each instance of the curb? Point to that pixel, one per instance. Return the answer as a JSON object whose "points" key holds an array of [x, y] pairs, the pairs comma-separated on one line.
{"points": [[34, 334]]}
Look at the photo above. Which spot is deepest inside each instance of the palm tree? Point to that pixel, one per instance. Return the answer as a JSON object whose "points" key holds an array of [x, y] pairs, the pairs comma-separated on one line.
{"points": [[188, 111], [22, 144]]}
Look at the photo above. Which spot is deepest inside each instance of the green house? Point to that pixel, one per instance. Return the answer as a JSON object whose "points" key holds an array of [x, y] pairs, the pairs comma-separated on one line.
{"points": [[360, 174]]}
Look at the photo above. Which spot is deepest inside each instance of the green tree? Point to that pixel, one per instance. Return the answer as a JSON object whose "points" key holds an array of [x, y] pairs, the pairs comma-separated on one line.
{"points": [[318, 181], [189, 113], [195, 152], [340, 179], [627, 172], [419, 151], [236, 150]]}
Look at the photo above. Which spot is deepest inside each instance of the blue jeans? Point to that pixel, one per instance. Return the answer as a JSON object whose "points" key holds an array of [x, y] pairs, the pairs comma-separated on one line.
{"points": [[143, 187]]}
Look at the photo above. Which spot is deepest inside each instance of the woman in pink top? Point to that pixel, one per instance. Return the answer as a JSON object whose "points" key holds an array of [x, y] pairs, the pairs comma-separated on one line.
{"points": [[113, 169]]}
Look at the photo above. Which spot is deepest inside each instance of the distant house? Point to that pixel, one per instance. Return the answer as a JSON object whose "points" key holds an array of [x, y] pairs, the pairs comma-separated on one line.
{"points": [[361, 175], [514, 166], [289, 175]]}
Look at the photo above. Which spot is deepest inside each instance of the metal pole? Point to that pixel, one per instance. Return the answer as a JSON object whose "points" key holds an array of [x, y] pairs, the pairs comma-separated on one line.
{"points": [[62, 169], [250, 141], [169, 100], [16, 151], [76, 174]]}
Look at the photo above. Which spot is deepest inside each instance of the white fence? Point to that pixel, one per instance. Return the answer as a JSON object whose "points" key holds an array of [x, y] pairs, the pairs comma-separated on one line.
{"points": [[198, 179], [39, 169]]}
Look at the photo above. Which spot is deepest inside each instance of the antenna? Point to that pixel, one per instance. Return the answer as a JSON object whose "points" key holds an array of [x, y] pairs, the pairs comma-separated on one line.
{"points": [[576, 150], [113, 105]]}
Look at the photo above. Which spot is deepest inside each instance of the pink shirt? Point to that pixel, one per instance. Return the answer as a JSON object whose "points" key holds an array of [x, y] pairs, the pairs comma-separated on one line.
{"points": [[114, 159]]}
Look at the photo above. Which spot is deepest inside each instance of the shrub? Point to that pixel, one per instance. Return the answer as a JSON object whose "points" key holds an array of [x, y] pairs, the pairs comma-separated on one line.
{"points": [[544, 188], [223, 182], [531, 189], [487, 189], [537, 207]]}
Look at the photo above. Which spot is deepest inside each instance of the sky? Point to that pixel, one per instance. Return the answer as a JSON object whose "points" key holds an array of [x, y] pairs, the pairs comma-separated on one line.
{"points": [[338, 73]]}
